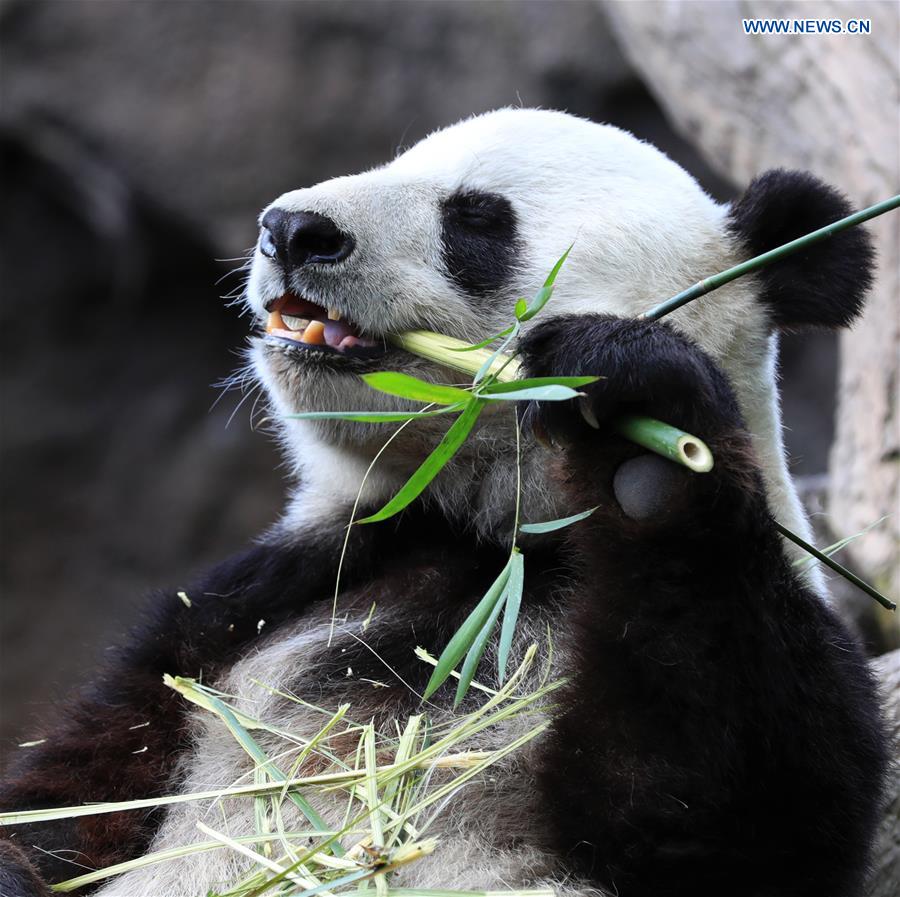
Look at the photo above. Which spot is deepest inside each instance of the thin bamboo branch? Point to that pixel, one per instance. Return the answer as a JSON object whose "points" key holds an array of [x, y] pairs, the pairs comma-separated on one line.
{"points": [[708, 284]]}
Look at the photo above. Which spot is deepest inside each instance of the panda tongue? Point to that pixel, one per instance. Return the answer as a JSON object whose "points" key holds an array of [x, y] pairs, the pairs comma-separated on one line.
{"points": [[336, 332]]}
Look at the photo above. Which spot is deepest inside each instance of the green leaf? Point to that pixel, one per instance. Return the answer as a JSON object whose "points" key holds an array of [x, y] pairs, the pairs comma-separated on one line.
{"points": [[550, 393], [513, 595], [372, 417], [528, 383], [489, 361], [432, 465], [835, 547], [476, 650], [466, 634], [204, 697], [521, 308], [548, 526], [545, 292], [485, 342], [396, 384]]}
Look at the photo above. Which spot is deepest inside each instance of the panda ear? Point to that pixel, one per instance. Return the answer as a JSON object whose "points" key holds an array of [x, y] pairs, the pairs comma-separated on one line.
{"points": [[823, 286]]}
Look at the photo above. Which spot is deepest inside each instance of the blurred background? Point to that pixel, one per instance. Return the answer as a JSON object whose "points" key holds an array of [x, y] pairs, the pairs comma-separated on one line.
{"points": [[139, 140]]}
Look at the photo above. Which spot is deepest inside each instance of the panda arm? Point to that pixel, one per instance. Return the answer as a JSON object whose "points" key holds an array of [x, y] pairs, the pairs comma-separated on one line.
{"points": [[121, 739], [719, 726]]}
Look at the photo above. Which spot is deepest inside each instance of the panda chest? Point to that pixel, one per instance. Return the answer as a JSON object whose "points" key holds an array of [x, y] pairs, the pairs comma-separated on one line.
{"points": [[309, 699]]}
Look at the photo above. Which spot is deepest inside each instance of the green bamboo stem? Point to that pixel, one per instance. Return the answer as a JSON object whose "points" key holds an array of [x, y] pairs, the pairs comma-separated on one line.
{"points": [[838, 568], [654, 435], [701, 288], [666, 440]]}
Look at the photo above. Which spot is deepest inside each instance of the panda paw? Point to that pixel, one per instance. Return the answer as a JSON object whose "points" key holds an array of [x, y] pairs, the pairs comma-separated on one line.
{"points": [[645, 367]]}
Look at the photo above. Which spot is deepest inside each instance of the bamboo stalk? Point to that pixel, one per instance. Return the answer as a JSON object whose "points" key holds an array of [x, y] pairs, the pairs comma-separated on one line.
{"points": [[838, 568], [707, 285], [654, 435], [666, 440], [454, 353]]}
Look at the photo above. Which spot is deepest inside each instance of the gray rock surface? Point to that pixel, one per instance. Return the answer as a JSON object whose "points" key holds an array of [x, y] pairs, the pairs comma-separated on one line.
{"points": [[222, 106]]}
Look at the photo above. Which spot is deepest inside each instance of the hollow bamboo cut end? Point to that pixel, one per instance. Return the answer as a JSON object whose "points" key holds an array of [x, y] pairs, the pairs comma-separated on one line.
{"points": [[694, 454], [666, 440]]}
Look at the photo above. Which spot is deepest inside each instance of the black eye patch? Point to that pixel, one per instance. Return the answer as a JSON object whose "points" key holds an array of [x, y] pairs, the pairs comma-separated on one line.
{"points": [[479, 240]]}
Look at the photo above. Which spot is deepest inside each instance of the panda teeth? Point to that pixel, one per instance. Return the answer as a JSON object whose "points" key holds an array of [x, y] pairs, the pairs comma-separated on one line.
{"points": [[294, 323], [334, 314]]}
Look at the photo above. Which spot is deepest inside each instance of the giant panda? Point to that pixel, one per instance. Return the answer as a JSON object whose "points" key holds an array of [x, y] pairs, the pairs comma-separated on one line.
{"points": [[718, 733]]}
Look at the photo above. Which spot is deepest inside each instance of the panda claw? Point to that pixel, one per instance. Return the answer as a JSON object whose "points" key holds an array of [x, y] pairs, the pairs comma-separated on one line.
{"points": [[587, 412]]}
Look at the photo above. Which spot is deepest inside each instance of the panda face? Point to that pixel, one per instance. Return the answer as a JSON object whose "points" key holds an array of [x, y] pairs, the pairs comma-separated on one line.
{"points": [[447, 237], [452, 232]]}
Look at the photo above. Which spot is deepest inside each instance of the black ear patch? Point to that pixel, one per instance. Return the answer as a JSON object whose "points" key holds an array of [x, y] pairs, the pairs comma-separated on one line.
{"points": [[823, 286], [479, 240]]}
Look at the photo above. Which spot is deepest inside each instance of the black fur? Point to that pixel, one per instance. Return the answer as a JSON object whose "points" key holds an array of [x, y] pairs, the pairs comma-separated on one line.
{"points": [[90, 755], [720, 733], [823, 286], [479, 241], [18, 877]]}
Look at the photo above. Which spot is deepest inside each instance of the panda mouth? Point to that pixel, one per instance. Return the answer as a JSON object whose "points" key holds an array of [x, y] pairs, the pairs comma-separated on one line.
{"points": [[317, 328]]}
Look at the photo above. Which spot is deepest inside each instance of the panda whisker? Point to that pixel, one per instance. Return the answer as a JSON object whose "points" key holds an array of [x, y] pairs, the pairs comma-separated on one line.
{"points": [[240, 404], [255, 409]]}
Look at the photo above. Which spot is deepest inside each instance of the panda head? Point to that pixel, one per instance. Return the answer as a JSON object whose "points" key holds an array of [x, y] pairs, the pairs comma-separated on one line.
{"points": [[448, 235]]}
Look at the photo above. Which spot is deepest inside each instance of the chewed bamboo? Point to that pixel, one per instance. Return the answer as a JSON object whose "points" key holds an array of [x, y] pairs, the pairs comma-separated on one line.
{"points": [[656, 436], [454, 353]]}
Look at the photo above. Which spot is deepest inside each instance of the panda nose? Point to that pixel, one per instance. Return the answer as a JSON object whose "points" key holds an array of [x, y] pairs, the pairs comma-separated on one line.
{"points": [[294, 239]]}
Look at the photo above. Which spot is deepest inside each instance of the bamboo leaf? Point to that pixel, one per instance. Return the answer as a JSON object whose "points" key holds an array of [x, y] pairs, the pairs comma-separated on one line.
{"points": [[485, 342], [407, 387], [548, 526], [544, 293], [432, 465], [466, 634], [172, 853], [835, 547], [520, 308], [492, 358], [549, 393], [512, 603], [476, 649], [201, 696], [373, 417], [528, 383]]}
